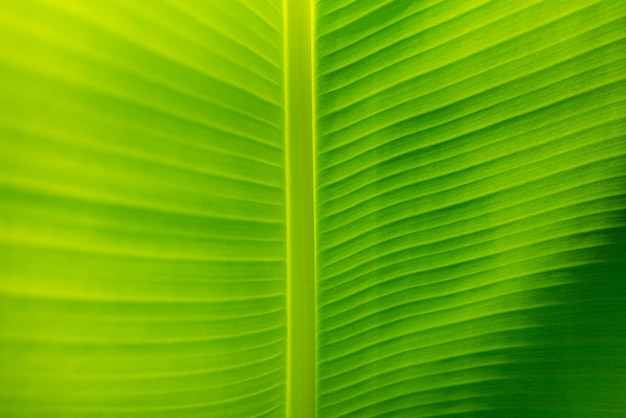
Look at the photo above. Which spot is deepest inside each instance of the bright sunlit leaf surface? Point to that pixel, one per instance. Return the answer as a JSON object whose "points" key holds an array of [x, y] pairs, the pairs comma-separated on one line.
{"points": [[157, 222], [142, 216], [471, 196]]}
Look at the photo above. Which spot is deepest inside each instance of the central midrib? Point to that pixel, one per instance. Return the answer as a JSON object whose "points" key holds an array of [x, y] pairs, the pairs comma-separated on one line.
{"points": [[300, 206]]}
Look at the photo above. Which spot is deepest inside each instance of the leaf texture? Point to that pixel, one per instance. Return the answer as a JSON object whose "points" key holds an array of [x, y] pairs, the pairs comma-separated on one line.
{"points": [[156, 226], [142, 209], [471, 200]]}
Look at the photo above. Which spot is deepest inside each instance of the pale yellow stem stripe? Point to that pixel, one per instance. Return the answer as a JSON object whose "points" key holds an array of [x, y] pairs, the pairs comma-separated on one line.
{"points": [[300, 209]]}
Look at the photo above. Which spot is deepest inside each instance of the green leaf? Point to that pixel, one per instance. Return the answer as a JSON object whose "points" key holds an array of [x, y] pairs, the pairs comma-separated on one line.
{"points": [[260, 208], [471, 162], [142, 201]]}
